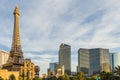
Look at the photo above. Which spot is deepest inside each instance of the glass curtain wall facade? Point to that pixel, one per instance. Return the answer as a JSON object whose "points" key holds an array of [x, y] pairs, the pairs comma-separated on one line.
{"points": [[99, 60], [114, 60], [83, 61], [65, 57], [93, 61], [53, 68]]}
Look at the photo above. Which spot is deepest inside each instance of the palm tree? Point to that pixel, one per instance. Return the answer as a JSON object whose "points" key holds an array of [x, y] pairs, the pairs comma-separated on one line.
{"points": [[117, 70]]}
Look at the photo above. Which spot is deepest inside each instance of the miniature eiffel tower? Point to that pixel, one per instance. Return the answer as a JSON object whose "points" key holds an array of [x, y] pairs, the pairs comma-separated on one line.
{"points": [[15, 60]]}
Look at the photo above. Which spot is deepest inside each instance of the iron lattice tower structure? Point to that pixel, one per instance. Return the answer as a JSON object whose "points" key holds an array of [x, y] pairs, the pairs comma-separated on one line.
{"points": [[15, 60]]}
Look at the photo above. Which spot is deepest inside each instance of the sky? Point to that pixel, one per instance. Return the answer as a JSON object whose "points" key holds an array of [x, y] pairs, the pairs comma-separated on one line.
{"points": [[45, 24]]}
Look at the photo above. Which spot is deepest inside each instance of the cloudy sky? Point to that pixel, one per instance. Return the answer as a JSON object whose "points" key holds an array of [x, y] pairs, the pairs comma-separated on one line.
{"points": [[45, 24]]}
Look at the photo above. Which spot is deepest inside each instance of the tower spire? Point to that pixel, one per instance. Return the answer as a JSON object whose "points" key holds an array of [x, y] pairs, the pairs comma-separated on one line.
{"points": [[16, 54], [16, 36]]}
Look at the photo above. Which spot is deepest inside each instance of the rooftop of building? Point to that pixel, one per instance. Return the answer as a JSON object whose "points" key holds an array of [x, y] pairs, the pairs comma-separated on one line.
{"points": [[93, 48], [4, 51], [62, 44]]}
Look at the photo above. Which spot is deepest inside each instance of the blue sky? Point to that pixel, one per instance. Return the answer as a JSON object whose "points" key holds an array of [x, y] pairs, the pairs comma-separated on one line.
{"points": [[45, 24]]}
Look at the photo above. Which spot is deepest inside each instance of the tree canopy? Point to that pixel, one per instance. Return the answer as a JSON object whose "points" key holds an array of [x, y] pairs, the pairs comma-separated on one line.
{"points": [[12, 77], [1, 78]]}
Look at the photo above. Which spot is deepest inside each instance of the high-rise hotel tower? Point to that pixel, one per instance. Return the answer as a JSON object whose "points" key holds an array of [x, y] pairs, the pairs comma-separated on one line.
{"points": [[93, 61], [83, 60], [65, 57]]}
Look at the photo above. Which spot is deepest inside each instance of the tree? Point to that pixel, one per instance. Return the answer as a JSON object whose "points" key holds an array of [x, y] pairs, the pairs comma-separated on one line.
{"points": [[74, 77], [106, 76], [117, 70], [37, 79], [64, 77], [1, 78], [91, 78], [20, 78], [12, 77], [81, 76], [52, 78]]}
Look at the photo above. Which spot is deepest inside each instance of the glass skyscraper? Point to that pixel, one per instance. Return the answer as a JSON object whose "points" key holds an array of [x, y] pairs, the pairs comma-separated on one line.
{"points": [[96, 60], [83, 60], [65, 57], [99, 60], [114, 60], [53, 68]]}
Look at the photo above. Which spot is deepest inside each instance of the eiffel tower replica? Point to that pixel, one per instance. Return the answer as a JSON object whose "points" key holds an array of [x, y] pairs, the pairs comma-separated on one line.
{"points": [[15, 60]]}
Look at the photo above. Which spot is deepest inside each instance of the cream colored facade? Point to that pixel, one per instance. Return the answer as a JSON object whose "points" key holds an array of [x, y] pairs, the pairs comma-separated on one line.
{"points": [[5, 74], [60, 71], [44, 76], [48, 72], [3, 57], [27, 71]]}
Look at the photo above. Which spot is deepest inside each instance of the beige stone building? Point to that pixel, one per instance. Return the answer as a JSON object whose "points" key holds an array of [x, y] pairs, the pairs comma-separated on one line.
{"points": [[3, 57], [44, 75], [27, 71], [60, 71], [5, 74]]}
